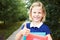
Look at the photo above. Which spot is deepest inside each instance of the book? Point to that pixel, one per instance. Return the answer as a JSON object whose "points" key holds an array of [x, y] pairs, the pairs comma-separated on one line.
{"points": [[36, 36], [39, 33]]}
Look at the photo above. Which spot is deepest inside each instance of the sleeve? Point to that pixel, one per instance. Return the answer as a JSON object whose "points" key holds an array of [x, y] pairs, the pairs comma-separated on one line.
{"points": [[27, 25], [47, 30], [22, 26]]}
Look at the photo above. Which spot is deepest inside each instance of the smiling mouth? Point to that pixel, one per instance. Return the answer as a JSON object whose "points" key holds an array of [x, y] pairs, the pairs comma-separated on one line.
{"points": [[37, 17]]}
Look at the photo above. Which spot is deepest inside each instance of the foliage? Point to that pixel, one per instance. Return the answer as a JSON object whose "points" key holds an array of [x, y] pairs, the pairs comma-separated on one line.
{"points": [[12, 10], [5, 33]]}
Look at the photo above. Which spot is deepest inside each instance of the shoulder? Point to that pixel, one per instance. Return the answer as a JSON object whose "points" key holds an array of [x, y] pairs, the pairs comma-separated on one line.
{"points": [[27, 25], [44, 25], [46, 29]]}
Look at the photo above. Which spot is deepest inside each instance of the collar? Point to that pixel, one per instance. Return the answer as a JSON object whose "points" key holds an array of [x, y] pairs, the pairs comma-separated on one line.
{"points": [[31, 25]]}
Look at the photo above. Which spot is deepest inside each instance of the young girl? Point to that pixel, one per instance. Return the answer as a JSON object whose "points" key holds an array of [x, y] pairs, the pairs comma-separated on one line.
{"points": [[37, 16]]}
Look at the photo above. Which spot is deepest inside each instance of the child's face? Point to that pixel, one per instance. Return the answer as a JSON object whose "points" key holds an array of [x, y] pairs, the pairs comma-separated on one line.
{"points": [[37, 14]]}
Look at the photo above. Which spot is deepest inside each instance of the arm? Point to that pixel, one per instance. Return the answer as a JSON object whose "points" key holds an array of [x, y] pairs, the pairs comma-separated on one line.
{"points": [[49, 37], [25, 31], [19, 36]]}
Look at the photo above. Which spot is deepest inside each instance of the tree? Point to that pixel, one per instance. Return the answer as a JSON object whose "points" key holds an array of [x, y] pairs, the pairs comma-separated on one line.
{"points": [[12, 10]]}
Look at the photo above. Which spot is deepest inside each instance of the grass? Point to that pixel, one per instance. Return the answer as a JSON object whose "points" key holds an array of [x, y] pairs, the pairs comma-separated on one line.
{"points": [[5, 33]]}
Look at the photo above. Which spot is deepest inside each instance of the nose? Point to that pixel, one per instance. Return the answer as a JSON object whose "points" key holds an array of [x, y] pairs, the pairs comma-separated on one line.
{"points": [[37, 14]]}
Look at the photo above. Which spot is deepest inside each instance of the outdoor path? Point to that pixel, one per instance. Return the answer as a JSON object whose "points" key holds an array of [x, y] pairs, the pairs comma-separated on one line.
{"points": [[13, 35]]}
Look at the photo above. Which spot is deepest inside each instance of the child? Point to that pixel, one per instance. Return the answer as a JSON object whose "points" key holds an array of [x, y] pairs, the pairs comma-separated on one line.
{"points": [[37, 16]]}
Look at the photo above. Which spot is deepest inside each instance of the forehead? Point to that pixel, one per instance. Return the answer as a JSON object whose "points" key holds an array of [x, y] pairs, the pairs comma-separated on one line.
{"points": [[37, 8]]}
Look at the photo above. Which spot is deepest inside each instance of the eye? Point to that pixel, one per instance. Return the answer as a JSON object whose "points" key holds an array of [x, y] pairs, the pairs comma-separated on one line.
{"points": [[34, 12], [39, 12]]}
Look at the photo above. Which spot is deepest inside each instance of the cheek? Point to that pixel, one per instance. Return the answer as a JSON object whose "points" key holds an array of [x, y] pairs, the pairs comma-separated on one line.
{"points": [[32, 14], [41, 15]]}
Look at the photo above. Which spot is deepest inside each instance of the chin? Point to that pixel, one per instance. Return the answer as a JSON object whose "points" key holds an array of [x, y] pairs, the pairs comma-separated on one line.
{"points": [[36, 20]]}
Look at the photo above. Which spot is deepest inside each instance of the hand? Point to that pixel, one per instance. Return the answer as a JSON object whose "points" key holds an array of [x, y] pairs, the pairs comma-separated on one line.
{"points": [[25, 31]]}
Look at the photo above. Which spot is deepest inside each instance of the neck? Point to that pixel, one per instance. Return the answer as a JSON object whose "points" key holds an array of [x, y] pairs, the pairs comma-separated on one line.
{"points": [[36, 23]]}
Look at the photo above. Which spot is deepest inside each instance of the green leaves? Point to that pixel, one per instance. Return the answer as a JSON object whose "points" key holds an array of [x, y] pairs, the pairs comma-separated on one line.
{"points": [[12, 10]]}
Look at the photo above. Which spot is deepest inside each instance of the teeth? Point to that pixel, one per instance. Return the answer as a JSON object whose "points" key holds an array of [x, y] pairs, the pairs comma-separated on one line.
{"points": [[36, 17]]}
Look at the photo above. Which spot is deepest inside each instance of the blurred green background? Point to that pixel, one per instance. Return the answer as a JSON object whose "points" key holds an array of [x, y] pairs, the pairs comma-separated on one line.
{"points": [[14, 12]]}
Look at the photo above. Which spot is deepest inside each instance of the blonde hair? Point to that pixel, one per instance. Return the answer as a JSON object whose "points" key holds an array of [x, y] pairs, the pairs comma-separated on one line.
{"points": [[40, 5]]}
